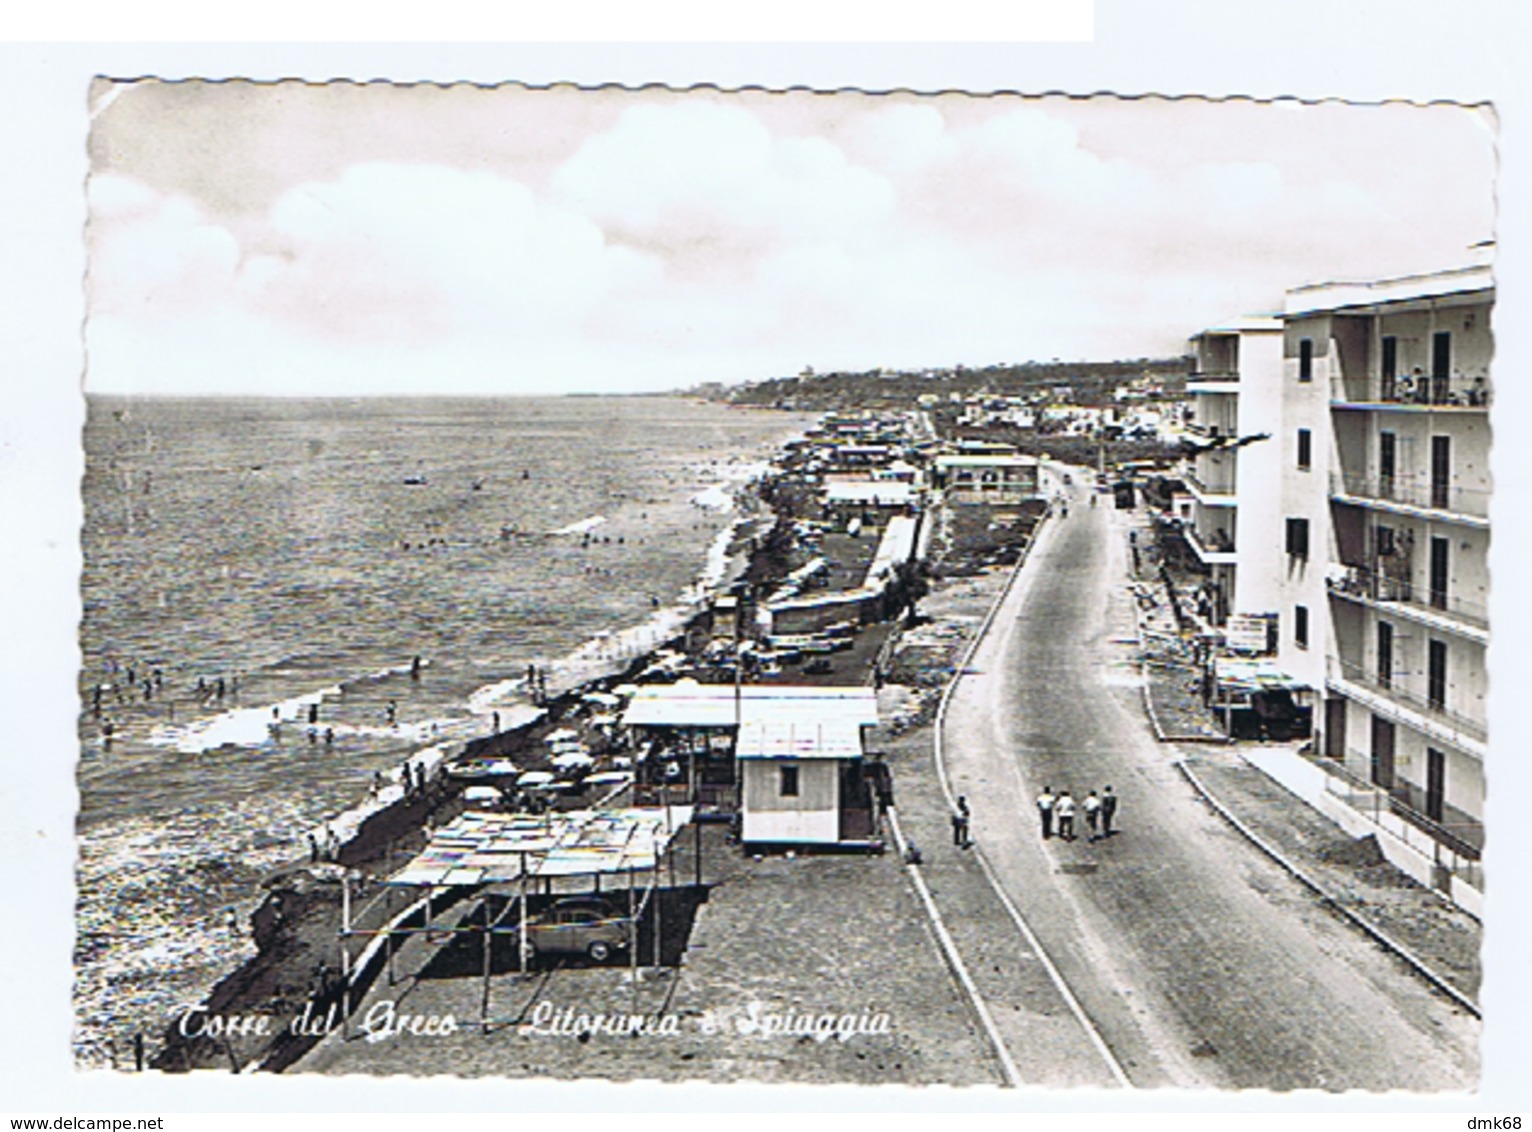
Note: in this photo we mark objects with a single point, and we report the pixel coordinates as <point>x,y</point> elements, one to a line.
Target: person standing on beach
<point>1065,808</point>
<point>1045,804</point>
<point>1108,811</point>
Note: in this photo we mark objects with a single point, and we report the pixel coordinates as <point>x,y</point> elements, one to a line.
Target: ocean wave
<point>581,527</point>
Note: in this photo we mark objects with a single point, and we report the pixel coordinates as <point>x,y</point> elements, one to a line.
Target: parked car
<point>578,925</point>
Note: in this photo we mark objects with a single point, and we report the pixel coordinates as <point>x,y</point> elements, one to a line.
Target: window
<point>789,781</point>
<point>1436,674</point>
<point>1306,359</point>
<point>1305,448</point>
<point>1301,626</point>
<point>1298,538</point>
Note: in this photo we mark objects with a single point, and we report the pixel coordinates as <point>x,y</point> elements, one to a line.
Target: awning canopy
<point>482,848</point>
<point>689,704</point>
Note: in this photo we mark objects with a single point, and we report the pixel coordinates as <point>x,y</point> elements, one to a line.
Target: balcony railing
<point>1211,429</point>
<point>1411,491</point>
<point>1369,585</point>
<point>1425,391</point>
<point>1456,842</point>
<point>1214,375</point>
<point>1398,690</point>
<point>1209,485</point>
<point>1216,541</point>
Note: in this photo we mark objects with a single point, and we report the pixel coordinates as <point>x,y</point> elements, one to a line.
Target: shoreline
<point>294,926</point>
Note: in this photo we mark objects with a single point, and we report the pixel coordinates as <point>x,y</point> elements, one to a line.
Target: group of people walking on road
<point>1098,810</point>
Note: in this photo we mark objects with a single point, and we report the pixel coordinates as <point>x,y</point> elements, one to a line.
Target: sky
<point>353,239</point>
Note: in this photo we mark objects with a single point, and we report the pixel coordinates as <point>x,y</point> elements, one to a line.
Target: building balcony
<point>1213,548</point>
<point>1414,394</point>
<point>1435,609</point>
<point>1455,841</point>
<point>1210,490</point>
<point>1396,699</point>
<point>1407,495</point>
<point>1213,381</point>
<point>1210,430</point>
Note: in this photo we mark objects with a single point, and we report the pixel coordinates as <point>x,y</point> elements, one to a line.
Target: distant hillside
<point>1089,382</point>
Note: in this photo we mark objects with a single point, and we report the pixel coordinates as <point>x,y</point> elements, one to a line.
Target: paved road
<point>1200,962</point>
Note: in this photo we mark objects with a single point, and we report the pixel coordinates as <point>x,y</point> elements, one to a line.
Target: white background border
<point>1305,48</point>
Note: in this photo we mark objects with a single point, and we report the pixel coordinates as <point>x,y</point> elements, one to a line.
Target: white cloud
<point>693,238</point>
<point>694,182</point>
<point>155,256</point>
<point>422,252</point>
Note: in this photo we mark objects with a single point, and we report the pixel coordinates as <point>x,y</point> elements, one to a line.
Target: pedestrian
<point>1045,804</point>
<point>393,713</point>
<point>1092,807</point>
<point>377,783</point>
<point>415,669</point>
<point>1108,811</point>
<point>313,713</point>
<point>313,850</point>
<point>1065,808</point>
<point>495,722</point>
<point>960,819</point>
<point>329,736</point>
<point>138,1051</point>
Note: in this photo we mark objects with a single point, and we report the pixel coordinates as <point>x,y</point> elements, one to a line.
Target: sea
<point>285,597</point>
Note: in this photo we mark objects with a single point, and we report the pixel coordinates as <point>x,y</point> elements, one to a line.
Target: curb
<point>1415,963</point>
<point>1009,1073</point>
<point>1143,684</point>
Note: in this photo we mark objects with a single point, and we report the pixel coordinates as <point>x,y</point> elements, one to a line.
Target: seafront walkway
<point>1197,960</point>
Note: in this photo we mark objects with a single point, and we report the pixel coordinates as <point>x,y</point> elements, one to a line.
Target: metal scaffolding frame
<point>517,850</point>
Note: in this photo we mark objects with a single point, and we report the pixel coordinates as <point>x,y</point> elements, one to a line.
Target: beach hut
<point>800,777</point>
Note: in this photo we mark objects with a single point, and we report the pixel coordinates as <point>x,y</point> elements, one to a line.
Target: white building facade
<point>1404,366</point>
<point>1235,390</point>
<point>1362,527</point>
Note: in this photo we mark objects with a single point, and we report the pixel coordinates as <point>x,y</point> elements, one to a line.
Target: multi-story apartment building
<point>1236,394</point>
<point>1363,524</point>
<point>1405,367</point>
